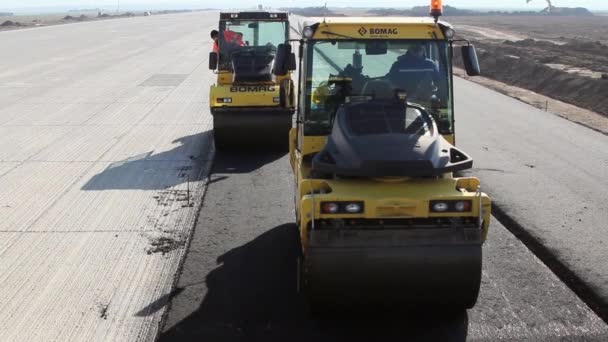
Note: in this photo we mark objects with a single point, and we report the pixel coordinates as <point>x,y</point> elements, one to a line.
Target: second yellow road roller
<point>252,101</point>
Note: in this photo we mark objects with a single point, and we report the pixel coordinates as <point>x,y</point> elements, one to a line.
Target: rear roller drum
<point>221,140</point>
<point>413,279</point>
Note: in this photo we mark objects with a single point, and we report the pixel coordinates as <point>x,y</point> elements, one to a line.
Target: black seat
<point>252,66</point>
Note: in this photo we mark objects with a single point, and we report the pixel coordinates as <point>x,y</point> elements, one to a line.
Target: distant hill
<point>449,11</point>
<point>421,11</point>
<point>312,11</point>
<point>560,11</point>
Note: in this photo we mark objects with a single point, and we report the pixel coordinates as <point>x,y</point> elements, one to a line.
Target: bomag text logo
<point>251,89</point>
<point>383,31</point>
<point>378,31</point>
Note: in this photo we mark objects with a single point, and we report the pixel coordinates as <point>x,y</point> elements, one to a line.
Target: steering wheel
<point>423,89</point>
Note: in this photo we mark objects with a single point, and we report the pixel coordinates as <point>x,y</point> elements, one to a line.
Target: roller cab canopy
<point>375,28</point>
<point>278,16</point>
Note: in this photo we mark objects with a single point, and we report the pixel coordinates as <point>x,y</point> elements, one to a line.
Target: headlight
<point>440,206</point>
<point>449,33</point>
<point>308,32</point>
<point>463,206</point>
<point>329,208</point>
<point>452,206</point>
<point>353,207</point>
<point>224,100</point>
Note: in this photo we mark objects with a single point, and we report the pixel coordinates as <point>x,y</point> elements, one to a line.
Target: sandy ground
<point>541,27</point>
<point>563,58</point>
<point>488,33</point>
<point>567,111</point>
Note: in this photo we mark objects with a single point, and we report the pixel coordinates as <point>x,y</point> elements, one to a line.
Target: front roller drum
<point>252,129</point>
<point>444,276</point>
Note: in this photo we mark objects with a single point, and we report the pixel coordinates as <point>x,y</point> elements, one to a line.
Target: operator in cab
<point>415,73</point>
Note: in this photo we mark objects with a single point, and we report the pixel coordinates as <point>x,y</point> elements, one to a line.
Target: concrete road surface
<point>101,126</point>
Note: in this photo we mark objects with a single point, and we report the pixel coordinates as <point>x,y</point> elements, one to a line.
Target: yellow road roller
<point>381,215</point>
<point>252,101</point>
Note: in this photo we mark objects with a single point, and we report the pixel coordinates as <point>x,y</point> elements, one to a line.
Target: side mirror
<point>471,63</point>
<point>284,61</point>
<point>213,60</point>
<point>291,62</point>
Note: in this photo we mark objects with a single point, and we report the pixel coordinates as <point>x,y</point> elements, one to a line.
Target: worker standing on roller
<point>215,35</point>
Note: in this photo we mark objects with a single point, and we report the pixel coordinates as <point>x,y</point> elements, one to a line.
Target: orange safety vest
<point>231,36</point>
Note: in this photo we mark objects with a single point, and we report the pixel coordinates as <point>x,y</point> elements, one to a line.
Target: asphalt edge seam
<point>206,177</point>
<point>580,288</point>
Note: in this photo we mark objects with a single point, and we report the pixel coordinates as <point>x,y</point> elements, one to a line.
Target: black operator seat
<point>252,65</point>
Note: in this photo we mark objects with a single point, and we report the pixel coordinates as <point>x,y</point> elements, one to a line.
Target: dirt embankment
<point>10,23</point>
<point>576,72</point>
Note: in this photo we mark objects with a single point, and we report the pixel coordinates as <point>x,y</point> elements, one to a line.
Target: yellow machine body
<point>247,112</point>
<point>397,249</point>
<point>247,95</point>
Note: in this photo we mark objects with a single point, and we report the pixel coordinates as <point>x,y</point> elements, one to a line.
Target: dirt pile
<point>592,56</point>
<point>71,18</point>
<point>312,11</point>
<point>10,23</point>
<point>574,73</point>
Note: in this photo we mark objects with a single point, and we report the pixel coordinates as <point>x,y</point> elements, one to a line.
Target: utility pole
<point>118,7</point>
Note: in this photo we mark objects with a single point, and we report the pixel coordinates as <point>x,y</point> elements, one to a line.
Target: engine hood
<point>387,139</point>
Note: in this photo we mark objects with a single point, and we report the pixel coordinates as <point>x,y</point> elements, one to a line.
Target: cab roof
<point>336,28</point>
<point>254,15</point>
<point>374,20</point>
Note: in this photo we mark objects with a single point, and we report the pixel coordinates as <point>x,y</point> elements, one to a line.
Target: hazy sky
<point>13,4</point>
